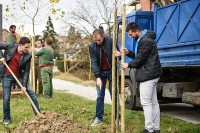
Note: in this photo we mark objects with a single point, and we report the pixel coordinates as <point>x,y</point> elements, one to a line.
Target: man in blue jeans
<point>101,58</point>
<point>18,59</point>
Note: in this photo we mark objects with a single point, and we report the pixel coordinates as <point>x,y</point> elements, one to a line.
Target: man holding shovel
<point>18,59</point>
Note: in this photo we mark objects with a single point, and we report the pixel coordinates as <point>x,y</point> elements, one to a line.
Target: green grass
<point>83,111</point>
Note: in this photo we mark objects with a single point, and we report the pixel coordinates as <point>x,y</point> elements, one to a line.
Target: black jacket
<point>24,66</point>
<point>96,54</point>
<point>147,61</point>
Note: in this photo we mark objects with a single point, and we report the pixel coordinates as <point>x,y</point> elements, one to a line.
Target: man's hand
<point>3,60</point>
<point>99,83</point>
<point>125,51</point>
<point>23,89</point>
<point>124,65</point>
<point>117,54</point>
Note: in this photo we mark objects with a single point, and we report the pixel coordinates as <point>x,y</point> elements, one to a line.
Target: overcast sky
<point>65,5</point>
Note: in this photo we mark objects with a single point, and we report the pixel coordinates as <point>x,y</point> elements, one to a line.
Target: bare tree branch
<point>88,15</point>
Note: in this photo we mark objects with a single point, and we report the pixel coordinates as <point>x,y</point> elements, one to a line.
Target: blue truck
<point>177,27</point>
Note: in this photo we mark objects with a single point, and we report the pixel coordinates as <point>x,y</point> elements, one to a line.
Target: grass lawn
<point>83,111</point>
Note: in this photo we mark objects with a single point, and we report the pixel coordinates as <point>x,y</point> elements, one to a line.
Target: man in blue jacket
<point>18,59</point>
<point>101,58</point>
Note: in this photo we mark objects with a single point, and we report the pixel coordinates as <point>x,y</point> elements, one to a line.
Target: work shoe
<point>156,131</point>
<point>146,131</point>
<point>96,122</point>
<point>6,122</point>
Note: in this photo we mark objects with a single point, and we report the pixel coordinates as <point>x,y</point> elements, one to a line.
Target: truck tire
<point>196,107</point>
<point>130,97</point>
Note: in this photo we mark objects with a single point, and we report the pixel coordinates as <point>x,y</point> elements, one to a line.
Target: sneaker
<point>146,131</point>
<point>7,122</point>
<point>156,131</point>
<point>96,122</point>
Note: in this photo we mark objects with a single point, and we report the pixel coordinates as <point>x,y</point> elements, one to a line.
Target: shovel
<point>21,87</point>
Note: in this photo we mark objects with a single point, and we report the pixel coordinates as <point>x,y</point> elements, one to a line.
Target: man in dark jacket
<point>101,58</point>
<point>18,59</point>
<point>148,72</point>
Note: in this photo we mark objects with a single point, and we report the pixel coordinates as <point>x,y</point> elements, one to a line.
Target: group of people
<point>18,57</point>
<point>148,71</point>
<point>146,62</point>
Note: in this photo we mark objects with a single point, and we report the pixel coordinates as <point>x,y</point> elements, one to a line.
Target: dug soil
<point>49,122</point>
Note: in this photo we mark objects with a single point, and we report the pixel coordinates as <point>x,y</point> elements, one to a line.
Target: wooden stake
<point>118,100</point>
<point>64,60</point>
<point>122,71</point>
<point>113,72</point>
<point>33,63</point>
<point>31,70</point>
<point>90,69</point>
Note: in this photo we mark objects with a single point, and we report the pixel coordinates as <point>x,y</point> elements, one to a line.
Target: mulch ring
<point>49,122</point>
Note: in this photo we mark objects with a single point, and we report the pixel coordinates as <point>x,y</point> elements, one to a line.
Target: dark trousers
<point>7,82</point>
<point>104,76</point>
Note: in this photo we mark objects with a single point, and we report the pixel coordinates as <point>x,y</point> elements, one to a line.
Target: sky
<point>65,5</point>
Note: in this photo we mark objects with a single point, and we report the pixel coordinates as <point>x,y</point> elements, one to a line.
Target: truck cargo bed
<point>178,33</point>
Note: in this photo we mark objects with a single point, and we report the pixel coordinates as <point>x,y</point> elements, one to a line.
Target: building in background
<point>143,5</point>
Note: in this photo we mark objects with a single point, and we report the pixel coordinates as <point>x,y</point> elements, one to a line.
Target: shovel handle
<point>21,87</point>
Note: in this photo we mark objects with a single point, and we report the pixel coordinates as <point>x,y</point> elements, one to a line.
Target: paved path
<point>87,92</point>
<point>181,111</point>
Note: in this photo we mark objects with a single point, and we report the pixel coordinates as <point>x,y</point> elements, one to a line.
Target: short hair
<point>12,26</point>
<point>98,32</point>
<point>24,40</point>
<point>40,40</point>
<point>49,40</point>
<point>133,26</point>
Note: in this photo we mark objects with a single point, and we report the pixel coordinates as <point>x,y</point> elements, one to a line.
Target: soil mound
<point>49,122</point>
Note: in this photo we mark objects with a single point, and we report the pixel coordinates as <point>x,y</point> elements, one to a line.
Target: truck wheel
<point>130,97</point>
<point>196,107</point>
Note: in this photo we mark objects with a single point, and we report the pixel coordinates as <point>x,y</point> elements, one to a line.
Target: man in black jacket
<point>18,59</point>
<point>148,72</point>
<point>101,58</point>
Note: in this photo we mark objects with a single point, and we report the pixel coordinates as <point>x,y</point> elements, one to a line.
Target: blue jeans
<point>7,82</point>
<point>104,76</point>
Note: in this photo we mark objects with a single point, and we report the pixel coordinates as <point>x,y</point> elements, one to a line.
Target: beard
<point>13,32</point>
<point>136,37</point>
